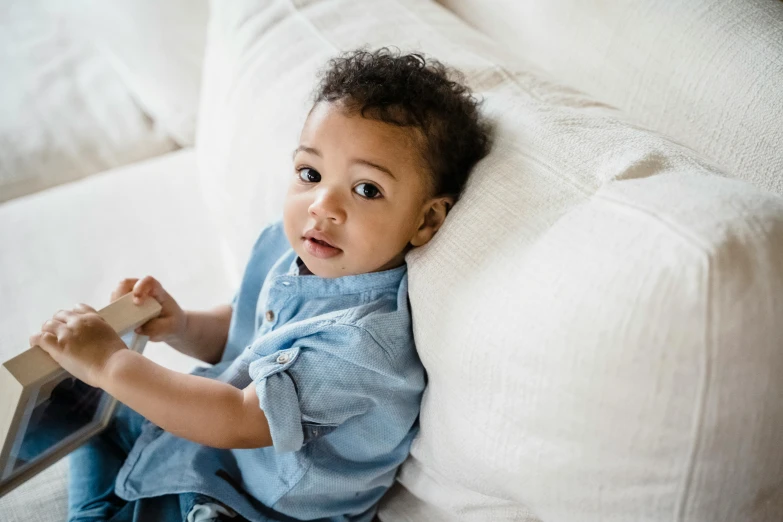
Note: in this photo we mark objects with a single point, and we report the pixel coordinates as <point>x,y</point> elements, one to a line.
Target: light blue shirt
<point>336,372</point>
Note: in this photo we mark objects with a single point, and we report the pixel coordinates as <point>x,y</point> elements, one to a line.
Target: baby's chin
<point>332,267</point>
<point>337,266</point>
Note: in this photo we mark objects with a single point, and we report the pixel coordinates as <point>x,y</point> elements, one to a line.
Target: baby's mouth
<point>320,248</point>
<point>324,243</point>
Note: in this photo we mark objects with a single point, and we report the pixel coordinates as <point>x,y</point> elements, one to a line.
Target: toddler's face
<point>359,194</point>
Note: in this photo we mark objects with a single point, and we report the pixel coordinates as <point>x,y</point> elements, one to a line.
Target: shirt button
<point>270,316</point>
<point>283,358</point>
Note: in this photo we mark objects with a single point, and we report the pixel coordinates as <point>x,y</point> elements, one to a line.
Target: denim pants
<point>94,467</point>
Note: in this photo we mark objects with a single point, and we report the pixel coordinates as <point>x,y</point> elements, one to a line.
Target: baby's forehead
<point>344,130</point>
<point>336,116</point>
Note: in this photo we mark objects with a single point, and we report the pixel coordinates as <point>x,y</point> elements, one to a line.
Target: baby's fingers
<point>47,341</point>
<point>149,286</point>
<point>125,286</point>
<point>155,329</point>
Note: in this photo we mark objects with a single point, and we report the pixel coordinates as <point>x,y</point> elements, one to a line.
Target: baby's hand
<point>80,341</point>
<point>172,321</point>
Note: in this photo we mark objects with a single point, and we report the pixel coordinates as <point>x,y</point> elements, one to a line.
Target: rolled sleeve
<point>308,391</point>
<point>278,398</point>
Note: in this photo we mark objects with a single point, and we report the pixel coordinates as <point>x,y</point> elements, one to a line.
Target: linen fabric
<point>705,72</point>
<point>597,315</point>
<point>625,364</point>
<point>338,378</point>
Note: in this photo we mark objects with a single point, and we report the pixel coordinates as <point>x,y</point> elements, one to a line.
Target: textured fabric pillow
<point>600,323</point>
<point>706,72</point>
<point>598,315</point>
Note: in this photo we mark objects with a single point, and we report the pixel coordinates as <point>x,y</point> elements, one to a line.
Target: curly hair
<point>410,90</point>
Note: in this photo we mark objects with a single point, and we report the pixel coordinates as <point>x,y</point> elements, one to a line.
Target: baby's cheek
<point>292,217</point>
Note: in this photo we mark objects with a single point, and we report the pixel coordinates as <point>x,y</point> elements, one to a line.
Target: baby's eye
<point>309,175</point>
<point>367,190</point>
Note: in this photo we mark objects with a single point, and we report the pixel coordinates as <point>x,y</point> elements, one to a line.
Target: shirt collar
<point>312,284</point>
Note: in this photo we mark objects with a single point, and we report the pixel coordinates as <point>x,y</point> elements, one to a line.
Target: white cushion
<point>44,498</point>
<point>157,48</point>
<point>65,112</point>
<point>74,243</point>
<point>599,317</point>
<point>706,72</point>
<point>600,323</point>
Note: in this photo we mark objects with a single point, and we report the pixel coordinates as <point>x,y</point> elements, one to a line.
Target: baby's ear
<point>435,211</point>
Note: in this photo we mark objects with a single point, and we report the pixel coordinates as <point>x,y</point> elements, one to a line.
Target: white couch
<point>87,88</point>
<point>600,316</point>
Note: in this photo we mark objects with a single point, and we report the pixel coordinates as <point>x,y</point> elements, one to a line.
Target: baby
<point>313,399</point>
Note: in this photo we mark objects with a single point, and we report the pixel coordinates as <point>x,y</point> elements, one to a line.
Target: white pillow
<point>598,315</point>
<point>600,323</point>
<point>706,72</point>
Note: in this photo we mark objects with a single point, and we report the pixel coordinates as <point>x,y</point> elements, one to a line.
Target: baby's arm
<point>205,411</point>
<point>201,335</point>
<point>202,410</point>
<point>205,334</point>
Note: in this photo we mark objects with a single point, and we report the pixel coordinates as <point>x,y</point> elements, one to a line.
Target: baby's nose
<point>328,205</point>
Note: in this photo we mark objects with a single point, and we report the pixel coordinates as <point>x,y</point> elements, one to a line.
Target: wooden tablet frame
<point>27,380</point>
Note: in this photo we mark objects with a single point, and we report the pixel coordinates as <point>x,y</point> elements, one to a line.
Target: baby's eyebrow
<point>302,148</point>
<point>374,166</point>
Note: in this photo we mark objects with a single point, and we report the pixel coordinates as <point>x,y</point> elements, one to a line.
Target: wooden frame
<point>34,390</point>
